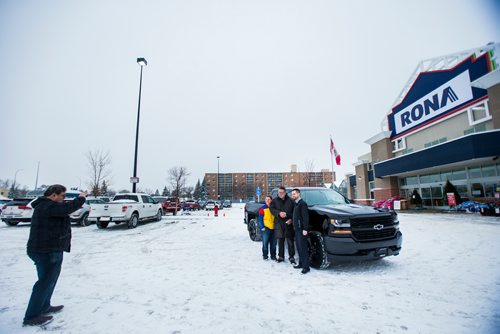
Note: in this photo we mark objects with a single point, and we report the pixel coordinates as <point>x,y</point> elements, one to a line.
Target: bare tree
<point>99,167</point>
<point>177,177</point>
<point>308,171</point>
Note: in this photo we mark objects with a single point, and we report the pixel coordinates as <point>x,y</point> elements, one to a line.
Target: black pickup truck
<point>340,230</point>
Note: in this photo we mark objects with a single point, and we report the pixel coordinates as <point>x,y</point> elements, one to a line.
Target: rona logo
<point>419,110</point>
<point>451,94</point>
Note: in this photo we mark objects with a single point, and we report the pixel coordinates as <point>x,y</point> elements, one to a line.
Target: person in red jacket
<point>266,224</point>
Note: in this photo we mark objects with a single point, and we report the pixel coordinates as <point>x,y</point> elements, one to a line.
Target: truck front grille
<point>363,228</point>
<point>367,235</point>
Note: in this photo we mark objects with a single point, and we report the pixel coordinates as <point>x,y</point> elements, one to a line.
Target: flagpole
<point>333,172</point>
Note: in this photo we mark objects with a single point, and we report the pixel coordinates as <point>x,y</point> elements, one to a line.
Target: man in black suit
<point>301,226</point>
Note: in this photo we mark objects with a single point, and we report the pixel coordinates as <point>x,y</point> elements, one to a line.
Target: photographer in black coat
<point>50,236</point>
<point>301,225</point>
<point>282,210</point>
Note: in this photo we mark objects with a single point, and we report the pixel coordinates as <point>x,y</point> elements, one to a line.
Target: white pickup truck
<point>126,208</point>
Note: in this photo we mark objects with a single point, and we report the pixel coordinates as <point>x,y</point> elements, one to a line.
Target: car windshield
<point>18,202</point>
<point>322,197</point>
<point>127,197</point>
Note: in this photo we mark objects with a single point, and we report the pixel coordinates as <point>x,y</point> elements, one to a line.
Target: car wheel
<point>158,216</point>
<point>164,212</point>
<point>134,220</point>
<point>85,220</point>
<point>317,252</point>
<point>254,231</point>
<point>11,223</point>
<point>101,225</point>
<point>175,212</point>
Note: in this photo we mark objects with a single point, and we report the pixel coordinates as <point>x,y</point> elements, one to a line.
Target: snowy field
<point>200,274</point>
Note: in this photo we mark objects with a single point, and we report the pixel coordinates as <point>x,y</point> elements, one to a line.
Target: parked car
<point>169,204</point>
<point>81,215</point>
<point>202,204</point>
<point>17,211</point>
<point>210,205</point>
<point>3,201</point>
<point>191,205</point>
<point>130,208</point>
<point>340,230</point>
<point>227,204</point>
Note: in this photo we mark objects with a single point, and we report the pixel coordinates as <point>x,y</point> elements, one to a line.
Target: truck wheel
<point>164,212</point>
<point>158,216</point>
<point>317,252</point>
<point>84,221</point>
<point>254,231</point>
<point>175,212</point>
<point>134,220</point>
<point>11,223</point>
<point>101,225</point>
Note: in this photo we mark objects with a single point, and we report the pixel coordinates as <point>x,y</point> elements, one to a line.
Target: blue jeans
<point>268,238</point>
<point>48,267</point>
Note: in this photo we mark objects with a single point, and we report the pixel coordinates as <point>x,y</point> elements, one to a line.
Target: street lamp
<point>12,192</point>
<point>142,62</point>
<point>218,194</point>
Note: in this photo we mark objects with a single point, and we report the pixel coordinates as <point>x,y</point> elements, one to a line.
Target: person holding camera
<point>50,236</point>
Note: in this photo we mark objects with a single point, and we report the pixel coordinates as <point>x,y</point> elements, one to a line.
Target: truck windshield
<point>127,197</point>
<point>322,197</point>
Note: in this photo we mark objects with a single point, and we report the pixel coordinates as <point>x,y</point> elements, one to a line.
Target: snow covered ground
<point>200,274</point>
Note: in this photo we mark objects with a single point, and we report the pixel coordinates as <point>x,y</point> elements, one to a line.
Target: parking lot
<point>198,273</point>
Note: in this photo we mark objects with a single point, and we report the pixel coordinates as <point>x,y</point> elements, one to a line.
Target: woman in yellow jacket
<point>266,224</point>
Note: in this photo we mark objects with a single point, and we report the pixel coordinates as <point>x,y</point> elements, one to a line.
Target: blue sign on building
<point>257,191</point>
<point>437,94</point>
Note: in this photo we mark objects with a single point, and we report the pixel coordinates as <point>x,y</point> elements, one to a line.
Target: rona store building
<point>445,125</point>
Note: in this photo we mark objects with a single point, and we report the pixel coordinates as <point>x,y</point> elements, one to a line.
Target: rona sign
<point>437,94</point>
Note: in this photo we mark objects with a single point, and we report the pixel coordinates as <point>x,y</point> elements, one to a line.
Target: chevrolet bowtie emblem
<point>378,227</point>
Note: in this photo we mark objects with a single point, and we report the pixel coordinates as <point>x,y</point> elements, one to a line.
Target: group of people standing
<point>285,219</point>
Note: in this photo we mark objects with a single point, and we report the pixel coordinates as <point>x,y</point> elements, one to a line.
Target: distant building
<point>4,192</point>
<point>236,186</point>
<point>444,125</point>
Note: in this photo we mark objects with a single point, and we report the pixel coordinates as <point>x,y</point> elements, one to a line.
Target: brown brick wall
<point>494,105</point>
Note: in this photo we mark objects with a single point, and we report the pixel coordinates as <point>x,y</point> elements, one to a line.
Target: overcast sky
<point>263,84</point>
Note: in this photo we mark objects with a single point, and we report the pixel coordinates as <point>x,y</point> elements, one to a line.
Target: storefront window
<point>426,192</point>
<point>488,170</point>
<point>459,174</point>
<point>477,190</point>
<point>475,173</point>
<point>437,192</point>
<point>445,176</point>
<point>462,190</point>
<point>489,190</point>
<point>430,178</point>
<point>411,180</point>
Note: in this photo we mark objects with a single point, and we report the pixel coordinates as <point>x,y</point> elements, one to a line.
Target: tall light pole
<point>13,192</point>
<point>142,62</point>
<point>218,194</point>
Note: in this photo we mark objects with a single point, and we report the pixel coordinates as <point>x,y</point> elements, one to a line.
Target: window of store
<point>459,174</point>
<point>430,178</point>
<point>412,180</point>
<point>371,185</point>
<point>488,171</point>
<point>479,113</point>
<point>462,191</point>
<point>489,190</point>
<point>399,145</point>
<point>475,129</point>
<point>477,190</point>
<point>475,173</point>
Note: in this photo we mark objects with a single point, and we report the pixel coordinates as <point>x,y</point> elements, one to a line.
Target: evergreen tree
<point>450,188</point>
<point>157,193</point>
<point>165,192</point>
<point>415,198</point>
<point>104,188</point>
<point>197,190</point>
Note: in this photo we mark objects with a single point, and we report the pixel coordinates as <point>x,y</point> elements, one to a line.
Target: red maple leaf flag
<point>334,152</point>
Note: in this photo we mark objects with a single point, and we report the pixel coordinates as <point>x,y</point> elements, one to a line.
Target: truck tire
<point>164,212</point>
<point>254,230</point>
<point>84,221</point>
<point>317,252</point>
<point>101,225</point>
<point>175,212</point>
<point>133,221</point>
<point>159,216</point>
<point>11,222</point>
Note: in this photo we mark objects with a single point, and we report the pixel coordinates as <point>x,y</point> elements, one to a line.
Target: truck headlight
<point>340,223</point>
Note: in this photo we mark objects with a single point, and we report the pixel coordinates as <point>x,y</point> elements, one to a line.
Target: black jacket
<point>50,225</point>
<point>301,216</point>
<point>281,229</point>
